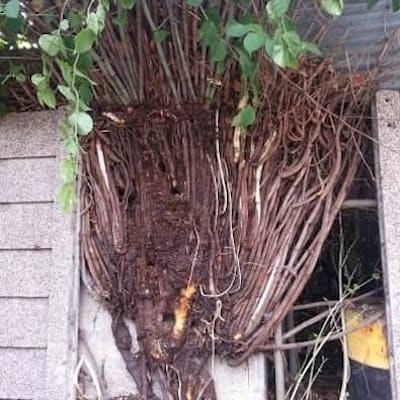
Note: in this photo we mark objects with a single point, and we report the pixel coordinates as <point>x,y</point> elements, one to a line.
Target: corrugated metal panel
<point>358,37</point>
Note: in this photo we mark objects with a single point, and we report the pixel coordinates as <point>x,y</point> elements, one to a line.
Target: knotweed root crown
<point>204,252</point>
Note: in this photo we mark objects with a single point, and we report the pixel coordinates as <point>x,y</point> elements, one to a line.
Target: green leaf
<point>311,48</point>
<point>20,77</point>
<point>13,25</point>
<point>11,9</point>
<point>75,21</point>
<point>84,76</point>
<point>218,51</point>
<point>40,81</point>
<point>245,117</point>
<point>46,97</point>
<point>66,197</point>
<point>254,41</point>
<point>334,7</point>
<point>84,41</point>
<point>120,20</point>
<point>256,28</point>
<point>248,18</point>
<point>287,24</point>
<point>235,29</point>
<point>159,36</point>
<point>66,71</point>
<point>212,14</point>
<point>64,25</point>
<point>51,44</point>
<point>293,42</point>
<point>67,170</point>
<point>276,9</point>
<point>105,4</point>
<point>127,4</point>
<point>85,92</point>
<point>85,62</point>
<point>283,57</point>
<point>279,55</point>
<point>208,33</point>
<point>194,3</point>
<point>396,5</point>
<point>71,143</point>
<point>93,23</point>
<point>101,14</point>
<point>82,120</point>
<point>51,17</point>
<point>248,67</point>
<point>67,93</point>
<point>269,46</point>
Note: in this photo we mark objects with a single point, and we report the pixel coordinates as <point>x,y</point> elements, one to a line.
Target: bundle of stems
<point>203,234</point>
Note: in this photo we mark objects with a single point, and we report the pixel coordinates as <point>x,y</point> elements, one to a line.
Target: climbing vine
<point>67,52</point>
<point>273,33</point>
<point>69,49</point>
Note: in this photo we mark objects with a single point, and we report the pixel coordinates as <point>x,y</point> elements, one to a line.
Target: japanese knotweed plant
<point>272,33</point>
<point>67,51</point>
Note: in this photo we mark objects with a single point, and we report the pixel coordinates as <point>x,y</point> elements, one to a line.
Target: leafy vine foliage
<point>66,52</point>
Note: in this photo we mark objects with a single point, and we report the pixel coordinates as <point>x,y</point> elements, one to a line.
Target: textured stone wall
<point>38,274</point>
<point>387,113</point>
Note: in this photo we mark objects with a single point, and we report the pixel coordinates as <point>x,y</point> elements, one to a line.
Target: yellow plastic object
<point>368,345</point>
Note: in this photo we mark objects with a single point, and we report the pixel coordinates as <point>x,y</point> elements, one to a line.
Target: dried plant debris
<point>207,250</point>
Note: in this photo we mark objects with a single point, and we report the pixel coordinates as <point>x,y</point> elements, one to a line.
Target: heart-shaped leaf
<point>52,44</point>
<point>254,41</point>
<point>84,41</point>
<point>11,9</point>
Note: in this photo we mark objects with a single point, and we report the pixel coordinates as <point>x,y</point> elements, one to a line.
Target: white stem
<point>102,164</point>
<point>279,366</point>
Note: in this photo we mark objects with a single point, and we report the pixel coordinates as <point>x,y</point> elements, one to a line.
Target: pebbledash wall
<point>38,268</point>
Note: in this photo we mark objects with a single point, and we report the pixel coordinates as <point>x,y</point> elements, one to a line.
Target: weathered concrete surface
<point>38,264</point>
<point>21,374</point>
<point>62,339</point>
<point>23,322</point>
<point>16,177</point>
<point>25,273</point>
<point>247,382</point>
<point>31,134</point>
<point>96,345</point>
<point>26,226</point>
<point>388,181</point>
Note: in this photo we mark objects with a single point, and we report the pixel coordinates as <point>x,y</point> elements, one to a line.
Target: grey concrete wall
<point>387,152</point>
<point>38,272</point>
